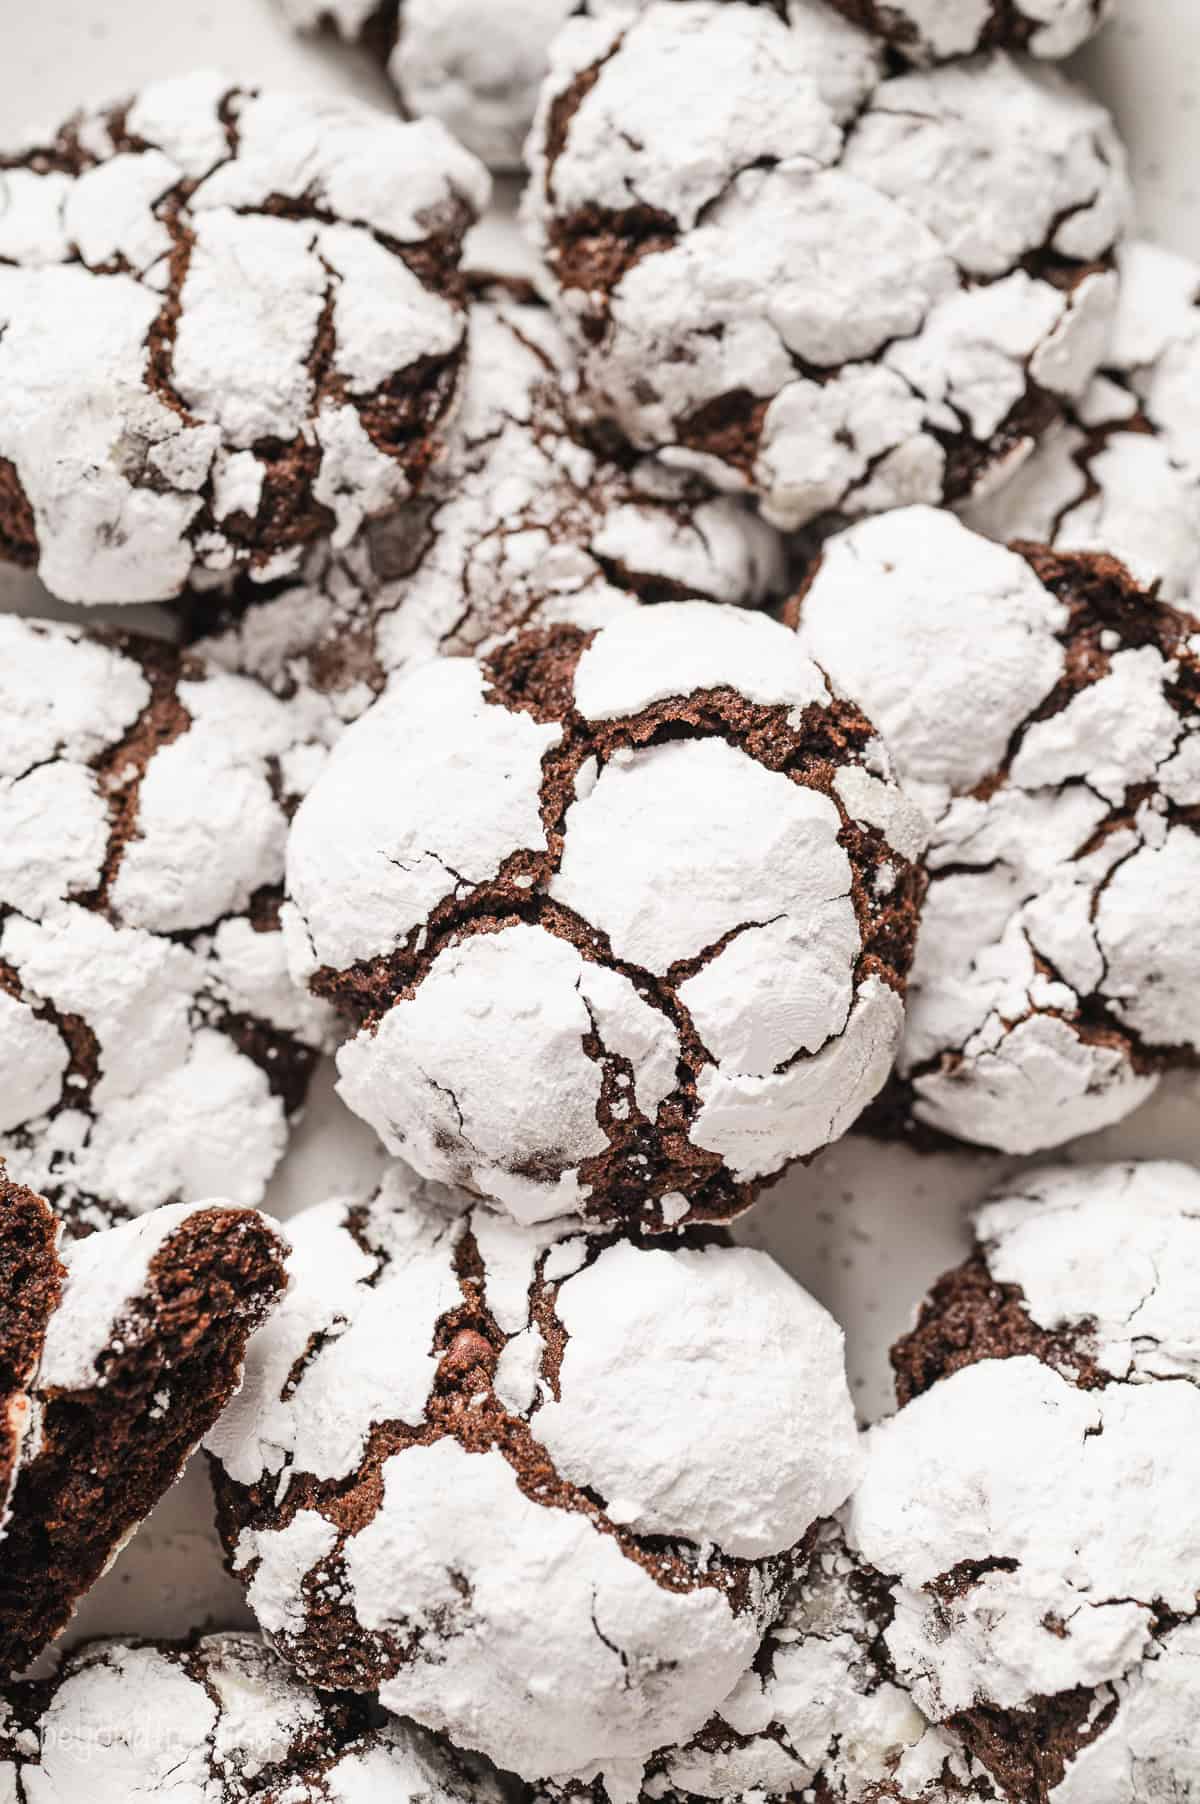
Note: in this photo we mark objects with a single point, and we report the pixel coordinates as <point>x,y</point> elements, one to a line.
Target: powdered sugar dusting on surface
<point>476,65</point>
<point>155,1043</point>
<point>520,523</point>
<point>1020,1548</point>
<point>1115,1246</point>
<point>453,1544</point>
<point>820,286</point>
<point>817,1710</point>
<point>1047,727</point>
<point>674,650</point>
<point>650,1485</point>
<point>936,30</point>
<point>1122,473</point>
<point>237,266</point>
<point>217,1721</point>
<point>447,834</point>
<point>638,912</point>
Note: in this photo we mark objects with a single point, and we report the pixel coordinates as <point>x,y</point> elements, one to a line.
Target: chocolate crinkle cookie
<point>818,1717</point>
<point>219,1719</point>
<point>620,920</point>
<point>836,292</point>
<point>152,1045</point>
<point>1122,472</point>
<point>117,1355</point>
<point>479,1469</point>
<point>1034,1498</point>
<point>230,324</point>
<point>1043,711</point>
<point>936,30</point>
<point>476,65</point>
<point>520,524</point>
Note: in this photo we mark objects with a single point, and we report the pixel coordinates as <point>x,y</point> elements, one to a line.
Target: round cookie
<point>936,30</point>
<point>131,1343</point>
<point>836,292</point>
<point>1043,711</point>
<point>480,1469</point>
<point>1035,1495</point>
<point>520,524</point>
<point>818,1716</point>
<point>152,1045</point>
<point>230,325</point>
<point>1122,473</point>
<point>476,65</point>
<point>219,1719</point>
<point>622,919</point>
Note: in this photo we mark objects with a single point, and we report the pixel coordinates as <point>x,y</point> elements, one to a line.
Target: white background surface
<point>865,1227</point>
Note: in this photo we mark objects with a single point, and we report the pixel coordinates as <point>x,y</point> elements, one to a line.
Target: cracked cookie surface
<point>218,1719</point>
<point>837,292</point>
<point>622,919</point>
<point>936,30</point>
<point>1121,474</point>
<point>1043,711</point>
<point>452,1415</point>
<point>230,324</point>
<point>152,1045</point>
<point>818,1716</point>
<point>1034,1497</point>
<point>520,524</point>
<point>136,1342</point>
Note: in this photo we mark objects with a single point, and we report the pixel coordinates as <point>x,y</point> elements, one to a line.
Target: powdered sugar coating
<point>520,523</point>
<point>1110,1253</point>
<point>219,1721</point>
<point>1042,710</point>
<point>639,1440</point>
<point>636,663</point>
<point>683,934</point>
<point>1121,473</point>
<point>838,292</point>
<point>815,1716</point>
<point>1030,1573</point>
<point>155,1044</point>
<point>228,324</point>
<point>403,863</point>
<point>1145,1750</point>
<point>1074,1559</point>
<point>937,30</point>
<point>476,65</point>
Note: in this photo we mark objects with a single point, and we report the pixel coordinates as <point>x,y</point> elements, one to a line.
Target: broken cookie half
<point>117,1353</point>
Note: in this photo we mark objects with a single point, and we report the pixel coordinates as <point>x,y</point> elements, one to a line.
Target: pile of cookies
<point>640,720</point>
